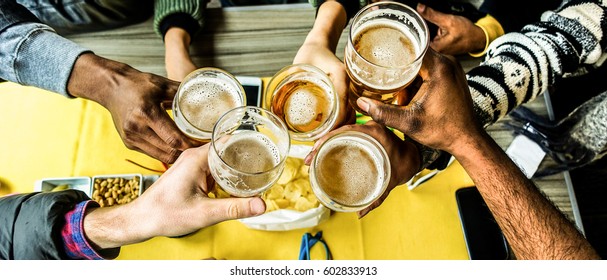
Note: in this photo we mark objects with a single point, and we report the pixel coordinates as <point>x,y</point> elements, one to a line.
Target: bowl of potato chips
<point>290,202</point>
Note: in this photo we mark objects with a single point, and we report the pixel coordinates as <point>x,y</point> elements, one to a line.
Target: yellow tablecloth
<point>46,135</point>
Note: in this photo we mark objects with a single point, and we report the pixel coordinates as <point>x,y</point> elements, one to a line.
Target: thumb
<point>234,208</point>
<point>431,15</point>
<point>387,114</point>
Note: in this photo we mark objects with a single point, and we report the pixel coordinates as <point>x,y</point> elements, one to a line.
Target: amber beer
<point>249,147</point>
<point>202,98</point>
<point>349,171</point>
<point>384,53</point>
<point>303,105</point>
<point>304,98</point>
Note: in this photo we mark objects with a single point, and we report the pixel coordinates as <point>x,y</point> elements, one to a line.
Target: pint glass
<point>202,97</point>
<point>249,147</point>
<point>349,171</point>
<point>386,44</point>
<point>303,96</point>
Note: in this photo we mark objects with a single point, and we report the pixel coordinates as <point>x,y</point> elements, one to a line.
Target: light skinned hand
<point>441,107</point>
<point>175,205</point>
<point>326,60</point>
<point>456,34</point>
<point>319,49</point>
<point>404,158</point>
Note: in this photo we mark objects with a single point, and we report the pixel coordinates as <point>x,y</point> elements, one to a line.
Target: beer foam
<point>250,152</point>
<point>385,44</point>
<point>202,101</point>
<point>308,107</point>
<point>349,172</point>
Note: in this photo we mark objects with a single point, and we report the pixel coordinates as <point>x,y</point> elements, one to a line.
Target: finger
<point>439,43</point>
<point>153,146</point>
<point>171,88</point>
<point>390,115</point>
<point>432,15</point>
<point>233,208</point>
<point>167,130</point>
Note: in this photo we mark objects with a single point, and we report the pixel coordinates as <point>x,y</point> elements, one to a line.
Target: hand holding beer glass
<point>303,96</point>
<point>384,52</point>
<point>203,96</point>
<point>349,171</point>
<point>249,147</point>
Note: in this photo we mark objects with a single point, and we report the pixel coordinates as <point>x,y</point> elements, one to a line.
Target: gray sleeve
<point>32,53</point>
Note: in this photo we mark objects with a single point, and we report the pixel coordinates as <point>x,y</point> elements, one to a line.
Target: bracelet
<point>492,29</point>
<point>487,41</point>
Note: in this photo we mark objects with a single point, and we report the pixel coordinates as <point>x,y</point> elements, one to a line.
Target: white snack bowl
<point>74,183</point>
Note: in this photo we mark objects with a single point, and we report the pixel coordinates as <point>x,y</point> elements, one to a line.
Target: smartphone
<point>252,87</point>
<point>484,238</point>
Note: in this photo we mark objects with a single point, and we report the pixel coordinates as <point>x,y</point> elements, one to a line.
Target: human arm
<point>403,156</point>
<point>178,22</point>
<point>520,66</point>
<point>39,217</point>
<point>441,116</point>
<point>134,99</point>
<point>457,34</point>
<point>32,54</point>
<point>319,49</point>
<point>174,205</point>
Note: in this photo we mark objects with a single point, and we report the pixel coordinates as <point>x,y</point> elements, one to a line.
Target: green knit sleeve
<point>165,8</point>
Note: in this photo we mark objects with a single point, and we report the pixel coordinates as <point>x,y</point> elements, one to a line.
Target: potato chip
<point>282,203</point>
<point>275,192</point>
<point>292,190</point>
<point>271,205</point>
<point>303,185</point>
<point>288,173</point>
<point>218,192</point>
<point>304,171</point>
<point>302,204</point>
<point>312,198</point>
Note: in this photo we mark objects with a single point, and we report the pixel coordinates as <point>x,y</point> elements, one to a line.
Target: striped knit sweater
<point>520,66</point>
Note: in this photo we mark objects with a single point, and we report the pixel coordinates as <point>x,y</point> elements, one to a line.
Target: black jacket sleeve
<point>30,224</point>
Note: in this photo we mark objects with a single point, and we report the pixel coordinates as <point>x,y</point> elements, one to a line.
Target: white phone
<point>252,87</point>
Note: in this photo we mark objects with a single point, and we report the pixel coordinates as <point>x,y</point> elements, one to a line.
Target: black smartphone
<point>252,87</point>
<point>484,238</point>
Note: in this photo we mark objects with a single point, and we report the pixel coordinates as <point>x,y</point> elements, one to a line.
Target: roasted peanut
<point>115,191</point>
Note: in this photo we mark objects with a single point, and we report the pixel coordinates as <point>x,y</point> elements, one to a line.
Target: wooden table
<point>419,224</point>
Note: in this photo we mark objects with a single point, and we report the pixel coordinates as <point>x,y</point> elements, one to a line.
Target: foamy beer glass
<point>249,147</point>
<point>303,96</point>
<point>384,52</point>
<point>203,96</point>
<point>349,171</point>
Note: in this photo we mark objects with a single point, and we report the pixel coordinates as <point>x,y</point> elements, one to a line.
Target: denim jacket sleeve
<point>32,53</point>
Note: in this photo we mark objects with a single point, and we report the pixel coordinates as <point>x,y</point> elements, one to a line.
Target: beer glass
<point>386,44</point>
<point>349,171</point>
<point>303,96</point>
<point>203,96</point>
<point>249,147</point>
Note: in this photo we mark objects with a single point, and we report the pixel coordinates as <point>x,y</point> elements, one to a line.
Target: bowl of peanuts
<point>110,190</point>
